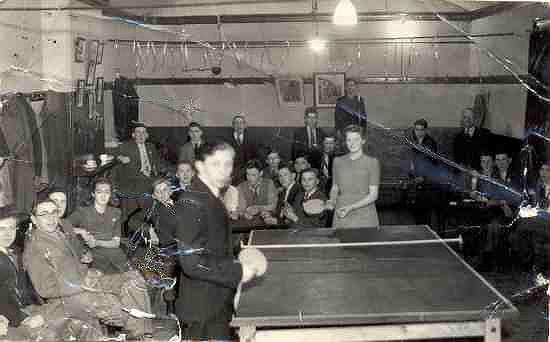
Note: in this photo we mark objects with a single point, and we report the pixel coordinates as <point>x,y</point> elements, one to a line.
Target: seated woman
<point>100,227</point>
<point>70,288</point>
<point>299,214</point>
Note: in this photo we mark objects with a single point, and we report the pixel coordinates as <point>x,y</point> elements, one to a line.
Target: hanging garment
<point>125,106</point>
<point>18,135</point>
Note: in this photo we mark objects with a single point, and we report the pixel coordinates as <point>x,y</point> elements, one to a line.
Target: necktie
<point>196,149</point>
<point>145,163</point>
<point>313,137</point>
<point>324,167</point>
<point>308,137</point>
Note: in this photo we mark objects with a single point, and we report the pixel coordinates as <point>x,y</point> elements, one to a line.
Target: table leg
<point>492,330</point>
<point>247,334</point>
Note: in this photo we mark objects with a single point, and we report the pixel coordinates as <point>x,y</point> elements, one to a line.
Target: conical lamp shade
<point>345,14</point>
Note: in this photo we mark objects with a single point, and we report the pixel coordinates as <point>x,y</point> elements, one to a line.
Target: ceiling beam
<point>489,11</point>
<point>290,18</point>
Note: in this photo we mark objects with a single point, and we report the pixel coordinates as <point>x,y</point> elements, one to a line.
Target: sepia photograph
<point>290,91</point>
<point>328,87</point>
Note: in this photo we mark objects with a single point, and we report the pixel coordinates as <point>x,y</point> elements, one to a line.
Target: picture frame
<point>80,50</point>
<point>328,87</point>
<point>90,74</point>
<point>80,92</point>
<point>290,91</point>
<point>99,56</point>
<point>99,89</point>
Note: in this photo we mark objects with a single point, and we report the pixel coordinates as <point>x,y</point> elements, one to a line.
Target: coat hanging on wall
<point>6,190</point>
<point>481,104</point>
<point>19,137</point>
<point>125,106</point>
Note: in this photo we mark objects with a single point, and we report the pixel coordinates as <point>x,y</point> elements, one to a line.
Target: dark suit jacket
<point>127,176</point>
<point>281,198</point>
<point>306,220</point>
<point>243,153</point>
<point>11,302</point>
<point>326,182</point>
<point>187,151</point>
<point>300,145</point>
<point>208,281</point>
<point>467,150</point>
<point>349,111</point>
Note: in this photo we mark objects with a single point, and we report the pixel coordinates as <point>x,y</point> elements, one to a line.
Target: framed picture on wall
<point>290,91</point>
<point>80,91</point>
<point>328,87</point>
<point>99,56</point>
<point>99,90</point>
<point>90,74</point>
<point>79,49</point>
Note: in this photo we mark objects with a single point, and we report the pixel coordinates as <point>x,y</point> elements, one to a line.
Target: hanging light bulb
<point>345,14</point>
<point>317,44</point>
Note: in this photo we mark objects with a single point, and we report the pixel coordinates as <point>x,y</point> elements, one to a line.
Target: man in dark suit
<point>327,158</point>
<point>350,109</point>
<point>245,150</point>
<point>287,194</point>
<point>196,139</point>
<point>298,216</point>
<point>469,143</point>
<point>200,220</point>
<point>140,165</point>
<point>308,139</point>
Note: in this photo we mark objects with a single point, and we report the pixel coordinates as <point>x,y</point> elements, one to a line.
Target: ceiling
<point>193,8</point>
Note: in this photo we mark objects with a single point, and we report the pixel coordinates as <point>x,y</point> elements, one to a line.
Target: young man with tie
<point>308,139</point>
<point>140,165</point>
<point>350,109</point>
<point>208,280</point>
<point>245,150</point>
<point>471,140</point>
<point>297,214</point>
<point>190,149</point>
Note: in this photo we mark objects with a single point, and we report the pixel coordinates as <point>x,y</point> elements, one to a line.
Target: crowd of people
<point>79,267</point>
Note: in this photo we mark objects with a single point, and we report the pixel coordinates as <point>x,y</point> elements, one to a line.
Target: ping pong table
<point>335,291</point>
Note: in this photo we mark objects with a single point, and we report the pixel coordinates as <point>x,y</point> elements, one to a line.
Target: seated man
<point>257,194</point>
<point>100,227</point>
<point>272,160</point>
<point>70,289</point>
<point>301,162</point>
<point>189,150</point>
<point>298,214</point>
<point>471,140</point>
<point>60,199</point>
<point>184,174</point>
<point>287,194</point>
<point>327,158</point>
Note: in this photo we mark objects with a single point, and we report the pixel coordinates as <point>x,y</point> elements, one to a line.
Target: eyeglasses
<point>47,213</point>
